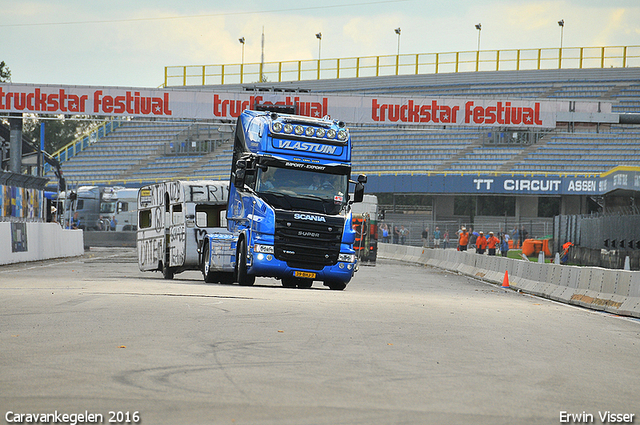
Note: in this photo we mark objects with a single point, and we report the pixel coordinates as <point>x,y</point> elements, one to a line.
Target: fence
<point>406,64</point>
<point>197,139</point>
<point>610,232</point>
<point>536,227</point>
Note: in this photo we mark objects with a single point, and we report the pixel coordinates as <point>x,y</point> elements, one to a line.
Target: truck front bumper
<point>266,265</point>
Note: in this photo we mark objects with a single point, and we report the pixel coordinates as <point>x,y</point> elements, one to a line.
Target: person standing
<point>75,221</point>
<point>396,235</point>
<point>492,242</point>
<point>385,233</point>
<point>425,237</point>
<point>463,239</point>
<point>436,238</point>
<point>504,245</point>
<point>481,243</point>
<point>445,239</point>
<point>404,232</point>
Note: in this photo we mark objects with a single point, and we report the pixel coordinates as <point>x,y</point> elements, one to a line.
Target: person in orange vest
<point>564,257</point>
<point>492,242</point>
<point>481,243</point>
<point>463,239</point>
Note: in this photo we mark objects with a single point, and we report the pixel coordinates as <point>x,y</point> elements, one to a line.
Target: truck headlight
<point>347,258</point>
<point>342,135</point>
<point>277,127</point>
<point>265,249</point>
<point>331,133</point>
<point>320,132</point>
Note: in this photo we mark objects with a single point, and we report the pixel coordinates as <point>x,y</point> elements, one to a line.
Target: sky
<point>129,43</point>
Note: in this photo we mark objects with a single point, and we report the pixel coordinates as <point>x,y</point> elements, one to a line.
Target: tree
<point>57,132</point>
<point>5,73</point>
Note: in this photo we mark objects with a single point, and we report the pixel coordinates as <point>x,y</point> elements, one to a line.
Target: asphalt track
<point>403,344</point>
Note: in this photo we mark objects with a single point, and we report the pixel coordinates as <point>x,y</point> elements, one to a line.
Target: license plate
<point>306,275</point>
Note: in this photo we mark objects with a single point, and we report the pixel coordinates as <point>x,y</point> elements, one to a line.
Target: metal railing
<point>197,139</point>
<point>405,64</point>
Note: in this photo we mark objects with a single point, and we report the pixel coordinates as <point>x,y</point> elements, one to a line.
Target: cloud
<point>136,52</point>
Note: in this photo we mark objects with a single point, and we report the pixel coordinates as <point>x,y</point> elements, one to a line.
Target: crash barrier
<point>110,239</point>
<point>613,291</point>
<point>32,241</point>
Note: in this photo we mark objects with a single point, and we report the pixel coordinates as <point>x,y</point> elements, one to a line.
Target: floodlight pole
<point>398,31</point>
<point>319,37</point>
<point>242,40</point>
<point>561,24</point>
<point>479,28</point>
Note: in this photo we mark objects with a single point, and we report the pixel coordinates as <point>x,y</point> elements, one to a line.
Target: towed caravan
<point>173,219</point>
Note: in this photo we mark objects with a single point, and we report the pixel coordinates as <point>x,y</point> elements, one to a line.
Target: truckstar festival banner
<point>203,103</point>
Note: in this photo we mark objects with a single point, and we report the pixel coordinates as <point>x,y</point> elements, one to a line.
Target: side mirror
<point>362,178</point>
<point>241,168</point>
<point>358,193</point>
<point>238,180</point>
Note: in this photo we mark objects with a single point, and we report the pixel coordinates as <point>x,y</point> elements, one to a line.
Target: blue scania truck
<point>289,207</point>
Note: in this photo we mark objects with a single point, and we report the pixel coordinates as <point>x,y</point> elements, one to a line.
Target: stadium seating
<point>136,152</point>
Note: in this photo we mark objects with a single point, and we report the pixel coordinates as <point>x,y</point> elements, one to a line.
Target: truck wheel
<point>335,286</point>
<point>243,278</point>
<point>209,276</point>
<point>167,272</point>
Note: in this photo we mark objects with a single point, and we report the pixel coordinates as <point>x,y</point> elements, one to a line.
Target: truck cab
<point>289,204</point>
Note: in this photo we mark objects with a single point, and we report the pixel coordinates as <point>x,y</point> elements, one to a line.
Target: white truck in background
<point>97,206</point>
<point>126,214</point>
<point>85,207</point>
<point>173,219</point>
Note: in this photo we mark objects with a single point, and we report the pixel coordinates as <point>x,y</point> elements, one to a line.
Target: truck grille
<point>307,238</point>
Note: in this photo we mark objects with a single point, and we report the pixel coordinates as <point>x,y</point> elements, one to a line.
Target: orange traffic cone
<point>505,281</point>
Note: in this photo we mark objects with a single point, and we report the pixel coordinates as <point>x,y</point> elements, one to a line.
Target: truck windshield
<point>293,189</point>
<point>107,207</point>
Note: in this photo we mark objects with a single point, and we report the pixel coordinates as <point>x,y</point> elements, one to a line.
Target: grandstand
<point>142,151</point>
<point>139,151</point>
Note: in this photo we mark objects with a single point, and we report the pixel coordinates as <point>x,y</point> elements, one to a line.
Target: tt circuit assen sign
<point>203,103</point>
<point>496,184</point>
